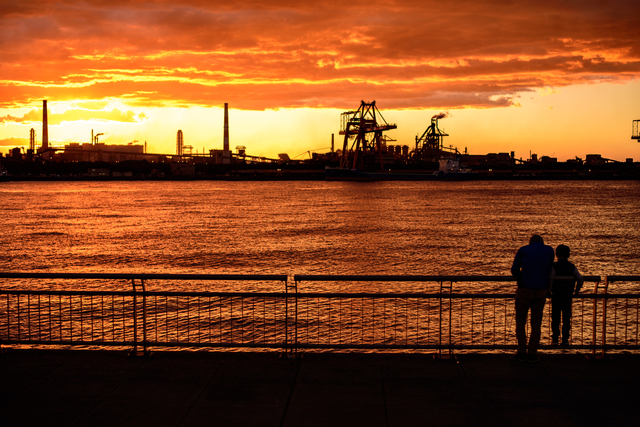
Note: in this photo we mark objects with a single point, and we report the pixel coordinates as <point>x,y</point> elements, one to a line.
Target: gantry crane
<point>357,126</point>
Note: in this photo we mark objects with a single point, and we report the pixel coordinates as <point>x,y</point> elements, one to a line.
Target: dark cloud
<point>272,54</point>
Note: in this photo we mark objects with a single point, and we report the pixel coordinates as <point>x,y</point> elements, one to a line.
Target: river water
<point>314,227</point>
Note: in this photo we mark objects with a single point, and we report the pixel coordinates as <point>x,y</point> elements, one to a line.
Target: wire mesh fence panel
<point>403,321</point>
<point>66,318</point>
<point>620,322</point>
<point>215,320</point>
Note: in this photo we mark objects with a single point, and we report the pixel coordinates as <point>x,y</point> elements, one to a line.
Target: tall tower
<point>179,143</point>
<point>226,154</point>
<point>32,140</point>
<point>45,126</point>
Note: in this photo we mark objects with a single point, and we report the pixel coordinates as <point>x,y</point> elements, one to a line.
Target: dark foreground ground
<point>102,388</point>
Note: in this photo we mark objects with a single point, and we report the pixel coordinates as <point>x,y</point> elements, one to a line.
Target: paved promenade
<point>108,388</point>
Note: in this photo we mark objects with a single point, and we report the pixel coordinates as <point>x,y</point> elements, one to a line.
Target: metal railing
<point>439,318</point>
<point>142,318</point>
<point>619,316</point>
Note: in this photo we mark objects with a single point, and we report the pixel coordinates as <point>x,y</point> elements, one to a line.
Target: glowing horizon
<point>554,79</point>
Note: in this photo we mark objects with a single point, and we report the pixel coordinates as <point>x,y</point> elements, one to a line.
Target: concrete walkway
<point>108,388</point>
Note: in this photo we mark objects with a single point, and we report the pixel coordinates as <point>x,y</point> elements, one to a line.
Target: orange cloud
<point>115,115</point>
<point>284,54</point>
<point>14,142</point>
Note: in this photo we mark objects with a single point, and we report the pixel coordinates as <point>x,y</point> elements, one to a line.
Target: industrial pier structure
<point>365,147</point>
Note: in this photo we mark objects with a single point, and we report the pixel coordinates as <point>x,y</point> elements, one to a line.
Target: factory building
<point>102,152</point>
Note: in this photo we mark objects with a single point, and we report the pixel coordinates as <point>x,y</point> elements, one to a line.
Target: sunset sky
<point>556,78</point>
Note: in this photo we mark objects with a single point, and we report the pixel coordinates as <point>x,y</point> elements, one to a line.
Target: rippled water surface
<point>299,227</point>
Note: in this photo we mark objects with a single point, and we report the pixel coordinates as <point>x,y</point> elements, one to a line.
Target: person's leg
<point>537,309</point>
<point>555,318</point>
<point>523,301</point>
<point>566,319</point>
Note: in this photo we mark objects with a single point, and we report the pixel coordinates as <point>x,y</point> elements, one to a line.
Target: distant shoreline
<point>320,176</point>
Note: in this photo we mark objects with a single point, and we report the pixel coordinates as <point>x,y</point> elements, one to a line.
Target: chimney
<point>32,140</point>
<point>45,126</point>
<point>225,146</point>
<point>179,143</point>
<point>226,154</point>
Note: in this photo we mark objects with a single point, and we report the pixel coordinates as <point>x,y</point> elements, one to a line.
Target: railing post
<point>135,317</point>
<point>291,350</point>
<point>295,339</point>
<point>144,317</point>
<point>604,317</point>
<point>596,298</point>
<point>440,323</point>
<point>139,290</point>
<point>286,318</point>
<point>594,328</point>
<point>450,320</point>
<point>449,354</point>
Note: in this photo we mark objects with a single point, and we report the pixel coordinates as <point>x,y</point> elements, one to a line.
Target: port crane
<point>357,126</point>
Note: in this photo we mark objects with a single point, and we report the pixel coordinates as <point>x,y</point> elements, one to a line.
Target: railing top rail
<point>417,278</point>
<point>623,279</point>
<point>145,276</point>
<point>397,278</point>
<point>284,277</point>
<point>301,295</point>
<point>455,295</point>
<point>149,293</point>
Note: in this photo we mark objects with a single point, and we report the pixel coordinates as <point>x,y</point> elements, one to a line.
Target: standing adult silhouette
<point>532,268</point>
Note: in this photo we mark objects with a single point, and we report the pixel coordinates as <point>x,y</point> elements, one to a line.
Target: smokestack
<point>32,140</point>
<point>225,146</point>
<point>45,126</point>
<point>226,154</point>
<point>179,143</point>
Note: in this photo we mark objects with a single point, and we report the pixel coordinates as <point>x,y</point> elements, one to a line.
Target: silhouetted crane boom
<point>358,124</point>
